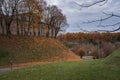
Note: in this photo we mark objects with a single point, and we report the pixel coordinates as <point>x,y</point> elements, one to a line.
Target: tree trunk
<point>18,33</point>
<point>56,32</point>
<point>25,33</point>
<point>47,34</point>
<point>2,27</point>
<point>52,32</point>
<point>39,31</point>
<point>34,31</point>
<point>8,31</point>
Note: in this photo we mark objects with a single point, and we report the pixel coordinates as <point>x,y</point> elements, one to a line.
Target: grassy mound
<point>113,59</point>
<point>30,49</point>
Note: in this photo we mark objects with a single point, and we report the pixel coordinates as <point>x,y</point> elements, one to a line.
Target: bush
<point>81,52</point>
<point>108,48</point>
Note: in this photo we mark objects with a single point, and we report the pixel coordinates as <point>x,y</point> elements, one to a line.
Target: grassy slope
<point>30,49</point>
<point>86,70</point>
<point>113,59</point>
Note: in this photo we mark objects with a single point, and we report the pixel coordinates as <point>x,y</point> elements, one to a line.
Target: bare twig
<point>103,19</point>
<point>101,30</point>
<point>115,24</point>
<point>109,30</point>
<point>92,4</point>
<point>104,2</point>
<point>108,17</point>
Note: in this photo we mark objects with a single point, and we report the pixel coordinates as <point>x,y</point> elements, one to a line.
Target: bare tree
<point>1,18</point>
<point>55,21</point>
<point>60,23</point>
<point>34,11</point>
<point>49,18</point>
<point>27,17</point>
<point>8,10</point>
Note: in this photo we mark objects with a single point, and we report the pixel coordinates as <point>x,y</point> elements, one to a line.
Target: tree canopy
<point>31,17</point>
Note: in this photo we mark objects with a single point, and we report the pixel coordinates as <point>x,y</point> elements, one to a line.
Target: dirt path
<point>22,65</point>
<point>7,69</point>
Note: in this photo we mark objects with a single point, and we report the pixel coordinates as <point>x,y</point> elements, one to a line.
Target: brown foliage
<point>81,52</point>
<point>31,17</point>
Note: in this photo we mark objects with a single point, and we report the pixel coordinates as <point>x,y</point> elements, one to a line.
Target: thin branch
<point>112,14</point>
<point>104,3</point>
<point>118,23</point>
<point>101,30</point>
<point>99,19</point>
<point>104,19</point>
<point>108,16</point>
<point>92,4</point>
<point>108,30</point>
<point>85,30</point>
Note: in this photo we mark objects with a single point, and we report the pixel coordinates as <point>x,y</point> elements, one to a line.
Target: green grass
<point>113,59</point>
<point>84,70</point>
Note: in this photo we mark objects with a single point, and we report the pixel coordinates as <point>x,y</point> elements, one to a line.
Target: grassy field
<point>105,69</point>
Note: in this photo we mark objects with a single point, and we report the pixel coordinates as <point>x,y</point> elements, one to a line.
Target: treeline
<point>90,37</point>
<point>30,17</point>
<point>98,45</point>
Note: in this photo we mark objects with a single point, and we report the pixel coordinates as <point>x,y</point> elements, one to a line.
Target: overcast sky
<point>76,15</point>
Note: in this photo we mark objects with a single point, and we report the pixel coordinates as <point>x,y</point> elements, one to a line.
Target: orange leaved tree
<point>81,52</point>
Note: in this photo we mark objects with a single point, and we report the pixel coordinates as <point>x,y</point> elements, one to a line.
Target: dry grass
<point>33,49</point>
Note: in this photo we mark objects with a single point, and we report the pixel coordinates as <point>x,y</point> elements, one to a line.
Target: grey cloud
<point>75,15</point>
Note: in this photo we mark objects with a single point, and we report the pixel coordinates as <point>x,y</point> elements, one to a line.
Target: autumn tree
<point>30,17</point>
<point>81,52</point>
<point>33,14</point>
<point>55,20</point>
<point>8,11</point>
<point>60,24</point>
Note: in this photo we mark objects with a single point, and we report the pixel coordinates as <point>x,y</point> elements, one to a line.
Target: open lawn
<point>84,70</point>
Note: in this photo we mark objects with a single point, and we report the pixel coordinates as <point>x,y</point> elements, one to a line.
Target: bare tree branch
<point>112,14</point>
<point>92,4</point>
<point>108,30</point>
<point>104,3</point>
<point>104,19</point>
<point>114,30</point>
<point>108,16</point>
<point>118,23</point>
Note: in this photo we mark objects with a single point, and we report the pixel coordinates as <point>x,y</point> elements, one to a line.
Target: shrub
<point>81,52</point>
